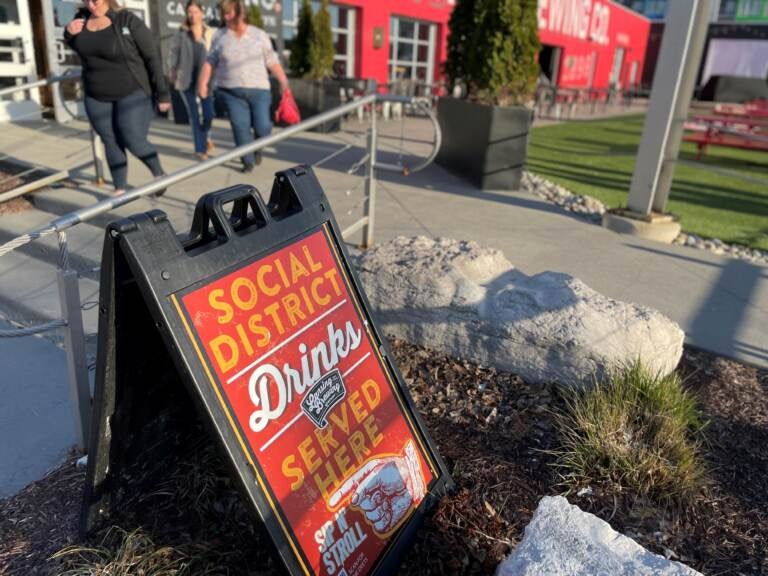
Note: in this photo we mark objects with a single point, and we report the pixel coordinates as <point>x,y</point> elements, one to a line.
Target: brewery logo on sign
<point>323,396</point>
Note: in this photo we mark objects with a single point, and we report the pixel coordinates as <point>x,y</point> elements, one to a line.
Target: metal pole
<point>99,158</point>
<point>370,186</point>
<point>74,344</point>
<point>679,57</point>
<point>690,72</point>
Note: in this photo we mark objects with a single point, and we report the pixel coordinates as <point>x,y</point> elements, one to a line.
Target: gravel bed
<point>593,210</point>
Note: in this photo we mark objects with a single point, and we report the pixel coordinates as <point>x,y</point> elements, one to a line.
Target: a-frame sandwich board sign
<point>260,316</point>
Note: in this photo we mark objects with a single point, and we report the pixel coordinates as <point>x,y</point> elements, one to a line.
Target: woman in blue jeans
<point>121,74</point>
<point>240,59</point>
<point>188,53</point>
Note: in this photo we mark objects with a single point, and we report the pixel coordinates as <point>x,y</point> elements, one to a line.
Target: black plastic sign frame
<point>260,316</point>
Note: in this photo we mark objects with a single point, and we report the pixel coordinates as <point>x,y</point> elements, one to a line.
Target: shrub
<point>460,31</point>
<point>321,49</point>
<point>122,552</point>
<point>634,432</point>
<point>492,48</point>
<point>254,16</point>
<point>299,61</point>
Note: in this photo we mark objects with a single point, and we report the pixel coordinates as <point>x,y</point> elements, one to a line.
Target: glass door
<point>618,62</point>
<point>411,50</point>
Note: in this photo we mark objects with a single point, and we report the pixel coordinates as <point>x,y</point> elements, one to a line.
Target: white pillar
<point>685,32</point>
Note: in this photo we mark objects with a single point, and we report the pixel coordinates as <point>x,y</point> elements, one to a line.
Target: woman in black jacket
<point>122,72</point>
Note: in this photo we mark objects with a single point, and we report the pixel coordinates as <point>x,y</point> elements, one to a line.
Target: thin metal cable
<point>350,191</point>
<point>359,164</point>
<point>394,195</point>
<point>67,133</point>
<point>63,250</point>
<point>402,133</point>
<point>87,271</point>
<point>25,239</point>
<point>32,330</point>
<point>332,155</point>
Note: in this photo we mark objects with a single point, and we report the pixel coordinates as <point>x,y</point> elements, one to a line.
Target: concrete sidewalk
<point>722,304</point>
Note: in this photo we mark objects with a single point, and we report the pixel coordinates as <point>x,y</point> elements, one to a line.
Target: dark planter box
<point>316,96</point>
<point>486,145</point>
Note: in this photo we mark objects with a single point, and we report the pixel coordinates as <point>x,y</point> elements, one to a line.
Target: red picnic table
<point>756,109</point>
<point>733,131</point>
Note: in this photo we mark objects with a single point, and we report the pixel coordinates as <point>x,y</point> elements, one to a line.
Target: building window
<point>411,50</point>
<point>616,68</point>
<point>748,9</point>
<point>728,10</point>
<point>9,13</point>
<point>342,26</point>
<point>12,51</point>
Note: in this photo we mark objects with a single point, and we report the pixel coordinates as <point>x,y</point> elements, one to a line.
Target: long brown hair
<point>237,5</point>
<point>197,3</point>
<point>114,5</point>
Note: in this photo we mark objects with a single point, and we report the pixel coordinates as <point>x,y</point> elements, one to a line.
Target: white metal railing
<point>67,278</point>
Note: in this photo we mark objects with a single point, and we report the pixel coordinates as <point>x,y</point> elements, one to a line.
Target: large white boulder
<point>564,540</point>
<point>469,302</point>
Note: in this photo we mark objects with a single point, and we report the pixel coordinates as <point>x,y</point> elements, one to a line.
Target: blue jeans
<point>123,125</point>
<point>199,129</point>
<point>248,110</point>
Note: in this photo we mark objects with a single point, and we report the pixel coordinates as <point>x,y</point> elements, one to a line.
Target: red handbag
<point>287,111</point>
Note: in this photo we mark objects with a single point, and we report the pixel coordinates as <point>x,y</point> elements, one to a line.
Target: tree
<point>254,16</point>
<point>299,61</point>
<point>321,51</point>
<point>460,31</point>
<point>493,49</point>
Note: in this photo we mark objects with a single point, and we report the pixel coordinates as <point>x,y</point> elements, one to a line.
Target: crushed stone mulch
<point>494,431</point>
<point>13,175</point>
<point>8,181</point>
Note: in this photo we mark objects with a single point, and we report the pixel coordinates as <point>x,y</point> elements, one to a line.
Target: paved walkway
<point>722,304</point>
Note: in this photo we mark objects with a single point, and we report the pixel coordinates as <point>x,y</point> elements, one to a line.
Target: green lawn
<point>597,158</point>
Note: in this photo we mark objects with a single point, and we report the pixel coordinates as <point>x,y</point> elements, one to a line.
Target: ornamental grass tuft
<point>122,553</point>
<point>633,432</point>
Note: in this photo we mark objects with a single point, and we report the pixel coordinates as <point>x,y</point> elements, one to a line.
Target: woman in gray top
<point>188,53</point>
<point>240,59</point>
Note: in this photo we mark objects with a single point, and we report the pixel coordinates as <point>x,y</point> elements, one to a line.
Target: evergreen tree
<point>254,15</point>
<point>460,32</point>
<point>498,58</point>
<point>321,51</point>
<point>299,61</point>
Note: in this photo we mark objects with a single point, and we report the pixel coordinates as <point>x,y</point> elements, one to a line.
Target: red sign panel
<point>317,413</point>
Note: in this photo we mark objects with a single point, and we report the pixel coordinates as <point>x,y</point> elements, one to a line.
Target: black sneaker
<point>247,168</point>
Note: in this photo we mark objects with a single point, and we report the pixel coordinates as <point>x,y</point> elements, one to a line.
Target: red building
<point>586,43</point>
<point>384,40</point>
<point>592,43</point>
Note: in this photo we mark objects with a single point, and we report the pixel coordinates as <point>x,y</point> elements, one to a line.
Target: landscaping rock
<point>564,540</point>
<point>469,302</point>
